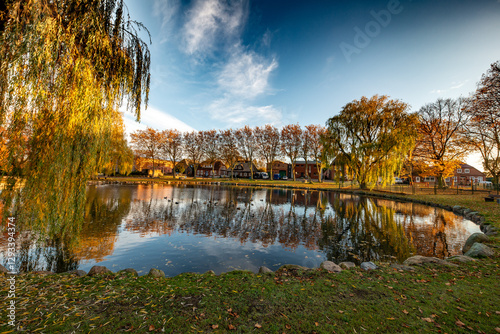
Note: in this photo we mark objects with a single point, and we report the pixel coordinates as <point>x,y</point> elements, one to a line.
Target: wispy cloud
<point>246,75</point>
<point>236,113</point>
<point>211,21</point>
<point>167,10</point>
<point>453,86</point>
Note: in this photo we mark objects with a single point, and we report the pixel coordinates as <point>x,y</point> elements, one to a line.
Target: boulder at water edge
<point>129,271</point>
<point>476,237</point>
<point>368,266</point>
<point>480,250</point>
<point>330,266</point>
<point>418,260</point>
<point>98,270</point>
<point>264,270</point>
<point>347,265</point>
<point>156,273</point>
<point>460,258</point>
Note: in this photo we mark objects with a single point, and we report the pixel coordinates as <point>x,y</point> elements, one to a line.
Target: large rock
<point>264,270</point>
<point>347,265</point>
<point>460,258</point>
<point>98,270</point>
<point>402,267</point>
<point>43,272</point>
<point>3,270</point>
<point>78,273</point>
<point>156,273</point>
<point>480,250</point>
<point>476,237</point>
<point>330,266</point>
<point>419,260</point>
<point>368,266</point>
<point>131,271</point>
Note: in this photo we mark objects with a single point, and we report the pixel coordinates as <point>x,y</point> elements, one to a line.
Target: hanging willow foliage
<point>372,137</point>
<point>65,67</point>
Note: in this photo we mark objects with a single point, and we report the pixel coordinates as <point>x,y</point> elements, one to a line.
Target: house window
<point>459,170</point>
<point>429,179</point>
<point>467,171</point>
<point>479,178</point>
<point>417,179</point>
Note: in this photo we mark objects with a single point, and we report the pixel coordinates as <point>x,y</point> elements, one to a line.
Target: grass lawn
<point>432,299</point>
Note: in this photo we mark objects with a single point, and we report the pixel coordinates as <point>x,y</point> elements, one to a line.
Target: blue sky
<point>223,63</point>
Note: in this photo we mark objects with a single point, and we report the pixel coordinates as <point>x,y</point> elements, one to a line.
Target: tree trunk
<point>293,171</point>
<point>320,178</point>
<point>173,169</point>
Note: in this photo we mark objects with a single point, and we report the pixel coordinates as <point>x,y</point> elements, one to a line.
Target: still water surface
<point>198,228</point>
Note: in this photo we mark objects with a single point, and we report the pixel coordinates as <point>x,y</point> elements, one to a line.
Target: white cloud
<point>236,113</point>
<point>246,75</point>
<point>210,21</point>
<point>153,118</point>
<point>453,86</point>
<point>166,10</point>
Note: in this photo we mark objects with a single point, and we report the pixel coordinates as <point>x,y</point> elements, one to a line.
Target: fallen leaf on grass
<point>151,328</point>
<point>231,327</point>
<point>215,326</point>
<point>460,309</point>
<point>340,311</point>
<point>405,312</point>
<point>459,323</point>
<point>427,319</point>
<point>288,326</point>
<point>316,324</point>
<point>390,319</point>
<point>497,330</point>
<point>258,326</point>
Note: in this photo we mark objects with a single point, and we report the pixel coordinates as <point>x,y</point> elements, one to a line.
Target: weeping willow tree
<point>65,68</point>
<point>373,137</point>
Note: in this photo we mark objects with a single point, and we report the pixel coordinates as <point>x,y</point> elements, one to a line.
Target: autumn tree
<point>483,128</point>
<point>146,144</point>
<point>120,156</point>
<point>441,142</point>
<point>211,147</point>
<point>228,149</point>
<point>315,135</point>
<point>64,68</point>
<point>194,148</point>
<point>268,145</point>
<point>247,145</point>
<point>172,146</point>
<point>291,143</point>
<point>373,136</point>
<point>305,149</point>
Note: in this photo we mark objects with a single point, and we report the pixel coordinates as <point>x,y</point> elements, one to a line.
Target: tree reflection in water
<point>338,227</point>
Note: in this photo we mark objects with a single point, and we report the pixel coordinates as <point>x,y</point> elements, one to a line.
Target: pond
<point>183,228</point>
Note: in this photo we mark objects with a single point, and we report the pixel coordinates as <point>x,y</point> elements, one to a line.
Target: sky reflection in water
<point>198,228</point>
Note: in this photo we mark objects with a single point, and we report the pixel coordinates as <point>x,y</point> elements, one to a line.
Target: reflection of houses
<point>145,165</point>
<point>242,170</point>
<point>464,175</point>
<point>205,169</point>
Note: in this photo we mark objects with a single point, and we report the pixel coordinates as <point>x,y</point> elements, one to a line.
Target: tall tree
<point>483,129</point>
<point>315,134</point>
<point>441,142</point>
<point>211,147</point>
<point>147,143</point>
<point>305,149</point>
<point>229,149</point>
<point>194,148</point>
<point>373,136</point>
<point>268,145</point>
<point>291,143</point>
<point>247,145</point>
<point>120,157</point>
<point>64,68</point>
<point>172,146</point>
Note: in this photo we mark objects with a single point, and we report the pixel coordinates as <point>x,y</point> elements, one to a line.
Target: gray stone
<point>98,270</point>
<point>210,272</point>
<point>3,270</point>
<point>330,266</point>
<point>418,260</point>
<point>460,258</point>
<point>129,271</point>
<point>347,265</point>
<point>402,267</point>
<point>491,233</point>
<point>156,273</point>
<point>264,270</point>
<point>480,250</point>
<point>457,209</point>
<point>289,267</point>
<point>368,266</point>
<point>471,215</point>
<point>476,237</point>
<point>78,273</point>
